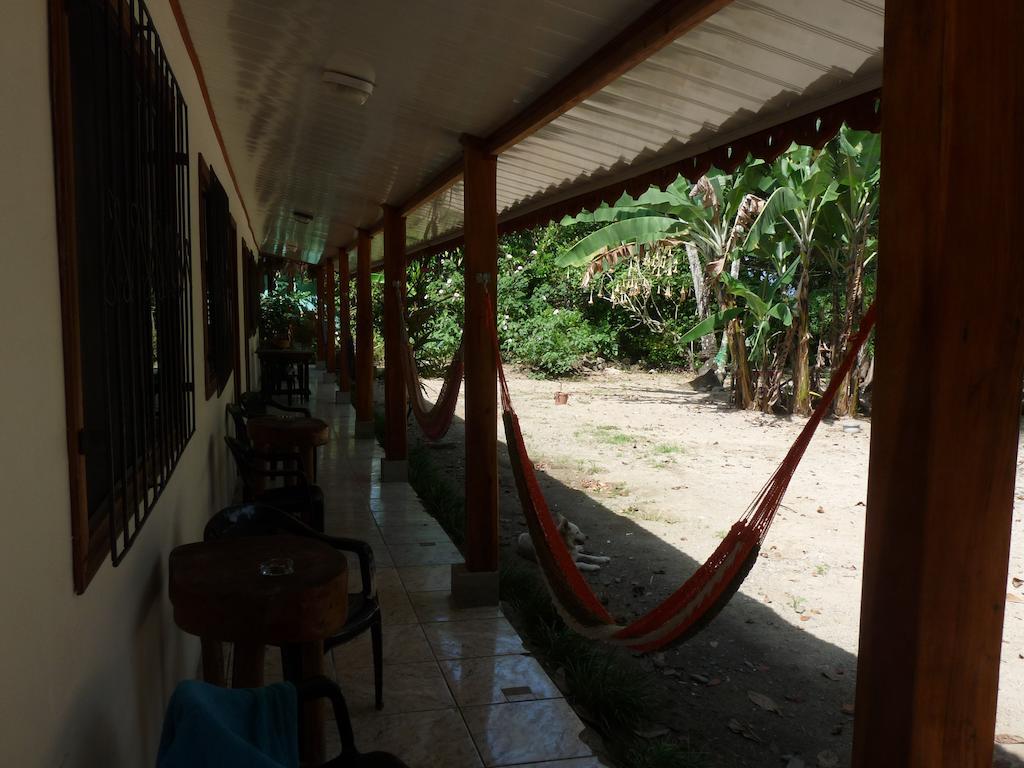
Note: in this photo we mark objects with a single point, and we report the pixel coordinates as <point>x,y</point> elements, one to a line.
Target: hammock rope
<point>435,418</point>
<point>705,593</point>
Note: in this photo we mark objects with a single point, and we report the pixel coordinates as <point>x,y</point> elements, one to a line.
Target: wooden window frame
<point>227,293</point>
<point>91,535</point>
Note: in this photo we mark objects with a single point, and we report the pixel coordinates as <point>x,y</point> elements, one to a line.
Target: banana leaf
<point>640,230</point>
<point>710,324</point>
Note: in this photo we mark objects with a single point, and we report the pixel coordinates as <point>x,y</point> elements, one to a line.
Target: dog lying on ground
<point>574,540</point>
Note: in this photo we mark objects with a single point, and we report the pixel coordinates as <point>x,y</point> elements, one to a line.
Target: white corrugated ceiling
<point>448,67</point>
<point>442,68</point>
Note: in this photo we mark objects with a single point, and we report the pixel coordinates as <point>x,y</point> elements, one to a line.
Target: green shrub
<point>557,342</point>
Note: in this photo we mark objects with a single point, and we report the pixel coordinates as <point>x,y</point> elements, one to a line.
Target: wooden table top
<point>288,430</point>
<point>290,354</point>
<point>218,591</point>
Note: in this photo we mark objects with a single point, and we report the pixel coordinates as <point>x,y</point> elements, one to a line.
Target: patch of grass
<point>821,569</point>
<point>605,433</point>
<point>662,753</point>
<point>650,515</point>
<point>721,533</point>
<point>667,449</point>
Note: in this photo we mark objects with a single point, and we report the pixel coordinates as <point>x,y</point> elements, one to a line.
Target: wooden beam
<point>481,272</point>
<point>946,401</point>
<point>653,30</point>
<point>364,338</point>
<point>443,181</point>
<point>395,439</point>
<point>345,324</point>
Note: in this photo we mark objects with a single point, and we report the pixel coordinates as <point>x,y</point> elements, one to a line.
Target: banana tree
<point>858,171</point>
<point>808,176</point>
<point>715,221</point>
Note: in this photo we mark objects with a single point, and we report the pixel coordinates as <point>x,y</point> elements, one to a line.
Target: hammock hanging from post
<point>434,420</point>
<point>706,592</point>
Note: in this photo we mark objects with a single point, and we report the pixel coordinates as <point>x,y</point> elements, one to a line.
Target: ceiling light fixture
<point>351,88</point>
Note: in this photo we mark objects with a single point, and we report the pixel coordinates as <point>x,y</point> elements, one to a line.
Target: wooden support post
<point>344,325</point>
<point>947,388</point>
<point>364,338</point>
<point>395,440</point>
<point>481,269</point>
<point>330,313</point>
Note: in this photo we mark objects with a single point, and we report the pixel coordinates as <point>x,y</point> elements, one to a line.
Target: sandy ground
<point>655,473</point>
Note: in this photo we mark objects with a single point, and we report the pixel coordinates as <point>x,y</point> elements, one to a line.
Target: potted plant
<point>280,311</point>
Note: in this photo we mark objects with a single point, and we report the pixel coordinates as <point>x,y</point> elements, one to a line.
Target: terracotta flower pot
<point>561,398</point>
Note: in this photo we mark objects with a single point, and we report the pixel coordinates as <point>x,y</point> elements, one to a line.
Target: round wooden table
<point>259,591</point>
<point>290,433</point>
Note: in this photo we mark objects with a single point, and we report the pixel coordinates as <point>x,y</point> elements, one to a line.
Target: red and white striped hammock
<point>705,593</point>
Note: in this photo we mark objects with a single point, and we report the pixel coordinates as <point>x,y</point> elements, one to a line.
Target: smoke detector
<point>349,87</point>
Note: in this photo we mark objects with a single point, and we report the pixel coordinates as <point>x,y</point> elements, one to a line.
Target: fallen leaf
<point>699,678</point>
<point>1012,598</point>
<point>1006,738</point>
<point>805,617</point>
<point>736,726</point>
<point>764,702</point>
<point>832,674</point>
<point>828,759</point>
<point>847,709</point>
<point>1018,583</point>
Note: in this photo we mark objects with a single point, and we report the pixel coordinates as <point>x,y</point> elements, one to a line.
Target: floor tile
<point>438,606</point>
<point>471,639</point>
<point>413,687</point>
<point>403,643</point>
<point>497,680</point>
<point>413,533</point>
<point>526,731</point>
<point>441,553</point>
<point>426,578</point>
<point>395,606</point>
<point>436,739</point>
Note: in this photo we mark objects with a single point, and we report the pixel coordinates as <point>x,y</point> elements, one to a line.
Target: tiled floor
<point>459,688</point>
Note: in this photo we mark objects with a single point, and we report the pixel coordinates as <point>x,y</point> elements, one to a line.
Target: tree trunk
<point>845,403</point>
<point>708,347</point>
<point>801,367</point>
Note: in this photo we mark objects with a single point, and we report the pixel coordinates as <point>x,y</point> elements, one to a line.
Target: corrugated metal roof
<point>448,67</point>
<point>749,66</point>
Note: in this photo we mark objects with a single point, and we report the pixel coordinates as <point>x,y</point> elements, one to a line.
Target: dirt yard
<point>655,473</point>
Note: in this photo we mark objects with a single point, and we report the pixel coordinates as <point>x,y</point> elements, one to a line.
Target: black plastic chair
<point>350,757</point>
<point>301,500</point>
<point>364,612</point>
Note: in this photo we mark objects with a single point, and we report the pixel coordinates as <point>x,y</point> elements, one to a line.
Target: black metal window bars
<point>130,133</point>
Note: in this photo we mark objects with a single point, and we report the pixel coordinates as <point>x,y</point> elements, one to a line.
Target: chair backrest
<point>237,415</point>
<point>254,520</point>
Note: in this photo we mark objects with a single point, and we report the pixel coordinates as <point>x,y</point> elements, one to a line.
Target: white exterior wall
<point>84,678</point>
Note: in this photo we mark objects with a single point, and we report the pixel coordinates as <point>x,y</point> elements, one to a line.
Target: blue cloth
<point>223,728</point>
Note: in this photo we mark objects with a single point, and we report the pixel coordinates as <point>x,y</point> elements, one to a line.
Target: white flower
<point>449,281</point>
<point>533,252</point>
<point>508,255</point>
<point>556,311</point>
<point>519,268</point>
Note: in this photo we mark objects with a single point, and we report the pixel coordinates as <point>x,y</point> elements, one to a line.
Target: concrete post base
<point>394,471</point>
<point>473,589</point>
<point>342,398</point>
<point>365,430</point>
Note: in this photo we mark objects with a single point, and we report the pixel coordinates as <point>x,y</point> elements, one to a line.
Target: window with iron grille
<point>218,247</point>
<point>121,148</point>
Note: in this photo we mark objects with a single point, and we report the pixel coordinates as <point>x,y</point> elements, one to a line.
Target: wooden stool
<point>285,433</point>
